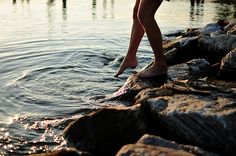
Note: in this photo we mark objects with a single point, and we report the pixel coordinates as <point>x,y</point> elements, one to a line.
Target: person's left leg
<point>130,60</point>
<point>146,12</point>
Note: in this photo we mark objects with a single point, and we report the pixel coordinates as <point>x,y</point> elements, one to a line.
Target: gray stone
<point>192,69</point>
<point>215,48</point>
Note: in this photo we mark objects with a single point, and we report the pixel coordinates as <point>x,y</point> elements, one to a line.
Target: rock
<point>228,66</point>
<point>182,50</point>
<point>215,48</point>
<point>210,28</point>
<point>191,32</point>
<point>133,85</point>
<point>64,152</point>
<point>231,29</point>
<point>192,69</point>
<point>191,118</point>
<point>105,131</point>
<point>150,145</point>
<point>190,105</point>
<point>147,150</point>
<point>211,42</point>
<point>172,88</point>
<point>160,142</point>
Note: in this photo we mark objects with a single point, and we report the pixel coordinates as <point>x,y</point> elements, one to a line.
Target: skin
<point>144,22</point>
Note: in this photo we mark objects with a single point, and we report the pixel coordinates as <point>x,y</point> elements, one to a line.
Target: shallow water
<point>57,56</point>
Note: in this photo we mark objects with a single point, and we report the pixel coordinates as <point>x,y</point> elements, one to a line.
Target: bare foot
<point>126,63</point>
<point>154,70</point>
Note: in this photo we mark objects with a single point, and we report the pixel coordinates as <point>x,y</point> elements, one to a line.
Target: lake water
<point>57,56</point>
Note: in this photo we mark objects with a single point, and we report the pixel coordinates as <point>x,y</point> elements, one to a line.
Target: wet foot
<point>126,63</point>
<point>154,70</point>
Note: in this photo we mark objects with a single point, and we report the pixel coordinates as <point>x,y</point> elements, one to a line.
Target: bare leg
<point>146,12</point>
<point>130,60</point>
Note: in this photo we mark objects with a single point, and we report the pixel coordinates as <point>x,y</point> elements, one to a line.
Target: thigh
<point>136,7</point>
<point>149,7</point>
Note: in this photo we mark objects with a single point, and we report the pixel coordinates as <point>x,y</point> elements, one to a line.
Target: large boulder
<point>107,130</point>
<point>195,112</point>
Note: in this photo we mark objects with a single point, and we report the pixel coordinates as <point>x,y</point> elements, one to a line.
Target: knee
<point>135,13</point>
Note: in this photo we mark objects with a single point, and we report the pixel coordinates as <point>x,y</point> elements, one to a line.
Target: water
<point>57,56</point>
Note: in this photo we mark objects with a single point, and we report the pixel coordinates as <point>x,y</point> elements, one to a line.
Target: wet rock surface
<point>194,105</point>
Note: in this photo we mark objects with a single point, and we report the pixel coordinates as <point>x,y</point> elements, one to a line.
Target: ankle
<point>160,64</point>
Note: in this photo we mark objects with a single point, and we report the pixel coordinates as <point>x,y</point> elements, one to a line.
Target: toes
<point>116,75</point>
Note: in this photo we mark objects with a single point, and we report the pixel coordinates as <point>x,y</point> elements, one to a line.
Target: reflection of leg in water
<point>196,10</point>
<point>64,3</point>
<point>197,2</point>
<point>192,2</point>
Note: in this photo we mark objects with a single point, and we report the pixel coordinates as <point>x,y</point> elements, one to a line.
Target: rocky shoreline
<point>190,112</point>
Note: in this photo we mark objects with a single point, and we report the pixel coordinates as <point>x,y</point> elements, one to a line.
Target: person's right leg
<point>146,12</point>
<point>130,60</point>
